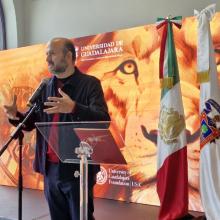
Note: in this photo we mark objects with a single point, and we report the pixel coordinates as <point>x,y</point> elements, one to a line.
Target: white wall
<point>13,11</point>
<point>19,10</point>
<point>40,20</point>
<point>10,23</point>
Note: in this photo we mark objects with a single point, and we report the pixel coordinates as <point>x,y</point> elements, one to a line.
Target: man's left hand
<point>63,104</point>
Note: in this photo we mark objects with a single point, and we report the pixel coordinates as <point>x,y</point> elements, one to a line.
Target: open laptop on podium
<point>84,143</point>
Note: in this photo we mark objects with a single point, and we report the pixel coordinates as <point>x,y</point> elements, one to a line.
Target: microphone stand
<point>17,133</point>
<point>20,177</point>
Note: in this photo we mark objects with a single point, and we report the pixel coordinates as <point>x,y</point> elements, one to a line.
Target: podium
<point>84,143</point>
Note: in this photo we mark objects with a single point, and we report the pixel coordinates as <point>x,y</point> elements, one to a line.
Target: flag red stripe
<point>172,186</point>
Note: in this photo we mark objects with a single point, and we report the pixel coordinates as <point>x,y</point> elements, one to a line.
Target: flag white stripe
<point>165,63</point>
<point>170,100</point>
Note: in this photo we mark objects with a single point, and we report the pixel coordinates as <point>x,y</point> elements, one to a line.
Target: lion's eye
<point>128,67</point>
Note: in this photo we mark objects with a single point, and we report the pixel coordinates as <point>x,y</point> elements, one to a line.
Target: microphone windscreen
<point>37,93</point>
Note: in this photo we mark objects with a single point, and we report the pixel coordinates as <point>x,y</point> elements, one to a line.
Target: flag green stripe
<point>172,59</point>
<point>173,70</point>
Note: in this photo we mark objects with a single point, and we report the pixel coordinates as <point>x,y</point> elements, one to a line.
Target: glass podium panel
<point>103,137</point>
<point>84,143</point>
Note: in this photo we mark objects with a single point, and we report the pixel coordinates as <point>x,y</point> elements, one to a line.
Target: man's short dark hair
<point>69,46</point>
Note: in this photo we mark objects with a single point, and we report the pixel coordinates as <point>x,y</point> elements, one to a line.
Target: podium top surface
<point>102,136</point>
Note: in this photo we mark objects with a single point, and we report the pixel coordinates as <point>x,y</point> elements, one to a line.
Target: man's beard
<point>59,68</point>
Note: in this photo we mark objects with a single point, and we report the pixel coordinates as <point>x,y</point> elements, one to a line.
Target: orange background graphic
<point>127,63</point>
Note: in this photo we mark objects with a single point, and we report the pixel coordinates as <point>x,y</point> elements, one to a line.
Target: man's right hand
<point>11,110</point>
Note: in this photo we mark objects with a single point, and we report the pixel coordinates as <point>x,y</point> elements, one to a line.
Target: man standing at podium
<point>68,96</point>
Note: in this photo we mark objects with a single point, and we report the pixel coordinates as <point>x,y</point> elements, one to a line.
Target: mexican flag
<point>209,117</point>
<point>172,173</point>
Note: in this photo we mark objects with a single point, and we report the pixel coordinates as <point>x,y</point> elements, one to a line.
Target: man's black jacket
<point>90,106</point>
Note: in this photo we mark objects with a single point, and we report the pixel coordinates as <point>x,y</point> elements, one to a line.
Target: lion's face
<point>131,86</point>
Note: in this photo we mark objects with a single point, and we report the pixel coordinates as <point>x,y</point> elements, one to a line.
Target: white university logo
<point>102,176</point>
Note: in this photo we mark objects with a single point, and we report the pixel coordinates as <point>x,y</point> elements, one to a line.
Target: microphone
<point>37,93</point>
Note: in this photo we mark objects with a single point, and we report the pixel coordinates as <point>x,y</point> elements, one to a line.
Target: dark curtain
<point>2,28</point>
